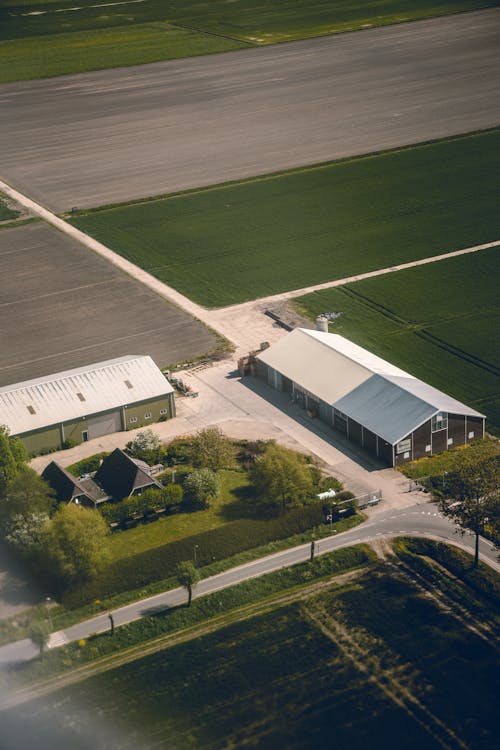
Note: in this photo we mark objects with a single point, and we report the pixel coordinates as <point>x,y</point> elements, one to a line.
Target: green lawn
<point>403,673</point>
<point>87,36</point>
<point>228,244</point>
<point>438,321</point>
<point>181,525</point>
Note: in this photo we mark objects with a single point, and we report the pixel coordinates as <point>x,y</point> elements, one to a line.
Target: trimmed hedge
<point>138,570</point>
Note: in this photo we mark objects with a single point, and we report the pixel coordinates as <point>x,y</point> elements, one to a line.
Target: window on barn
<point>148,415</point>
<point>132,420</point>
<point>439,421</point>
<point>163,412</point>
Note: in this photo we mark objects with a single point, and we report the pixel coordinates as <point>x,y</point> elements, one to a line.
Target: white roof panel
<point>81,392</point>
<point>314,365</point>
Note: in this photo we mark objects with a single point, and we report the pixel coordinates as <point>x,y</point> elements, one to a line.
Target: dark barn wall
<point>456,429</point>
<point>439,441</point>
<point>421,439</point>
<point>475,425</point>
<point>354,431</point>
<point>369,441</point>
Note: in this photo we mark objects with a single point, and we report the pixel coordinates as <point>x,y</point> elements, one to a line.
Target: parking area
<point>63,306</point>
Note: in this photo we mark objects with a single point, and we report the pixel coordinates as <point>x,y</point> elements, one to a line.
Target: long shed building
<point>383,409</point>
<point>87,402</point>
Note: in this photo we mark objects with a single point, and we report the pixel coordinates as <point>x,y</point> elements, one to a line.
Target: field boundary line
<point>361,276</point>
<point>165,291</point>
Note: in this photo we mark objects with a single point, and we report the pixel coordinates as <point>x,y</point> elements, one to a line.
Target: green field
<point>373,663</point>
<point>46,38</point>
<point>233,243</point>
<point>438,321</point>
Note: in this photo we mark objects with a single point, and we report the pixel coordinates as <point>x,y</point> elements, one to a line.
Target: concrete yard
<point>121,134</point>
<point>63,306</point>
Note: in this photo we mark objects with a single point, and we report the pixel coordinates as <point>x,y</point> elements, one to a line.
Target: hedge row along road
<point>421,520</point>
<point>96,138</point>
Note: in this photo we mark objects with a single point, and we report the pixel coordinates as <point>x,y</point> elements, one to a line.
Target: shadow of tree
<point>248,504</point>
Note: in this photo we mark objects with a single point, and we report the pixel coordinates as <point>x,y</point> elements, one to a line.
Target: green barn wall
<point>50,438</point>
<point>42,440</point>
<point>73,430</point>
<point>153,407</point>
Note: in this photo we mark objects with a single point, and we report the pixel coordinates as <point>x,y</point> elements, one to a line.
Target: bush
<point>68,444</point>
<point>217,544</point>
<point>344,495</point>
<point>179,451</point>
<point>331,483</point>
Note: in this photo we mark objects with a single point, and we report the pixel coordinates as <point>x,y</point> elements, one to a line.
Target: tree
<point>25,532</point>
<point>146,446</point>
<point>210,449</point>
<point>8,463</point>
<point>26,494</point>
<point>282,476</point>
<point>39,632</point>
<point>201,486</point>
<point>473,491</point>
<point>74,544</point>
<point>187,576</point>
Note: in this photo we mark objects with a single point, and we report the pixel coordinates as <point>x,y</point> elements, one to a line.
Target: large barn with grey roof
<point>87,402</point>
<point>379,407</point>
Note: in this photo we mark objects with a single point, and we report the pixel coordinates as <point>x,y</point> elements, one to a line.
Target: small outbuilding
<point>376,405</point>
<point>87,402</point>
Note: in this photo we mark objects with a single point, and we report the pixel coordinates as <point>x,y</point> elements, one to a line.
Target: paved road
<point>421,520</point>
<point>114,135</point>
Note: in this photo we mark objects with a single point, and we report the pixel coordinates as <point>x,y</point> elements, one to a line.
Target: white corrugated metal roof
<point>80,393</point>
<point>382,397</point>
